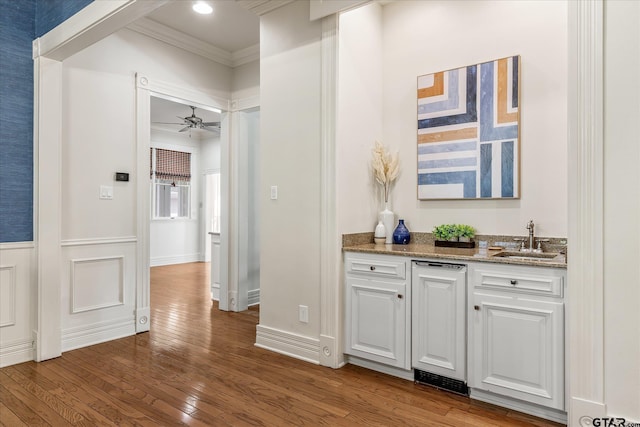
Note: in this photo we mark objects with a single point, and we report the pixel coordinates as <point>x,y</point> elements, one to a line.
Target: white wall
<point>290,115</point>
<point>622,210</point>
<point>360,117</point>
<point>100,237</point>
<point>246,80</point>
<point>425,37</point>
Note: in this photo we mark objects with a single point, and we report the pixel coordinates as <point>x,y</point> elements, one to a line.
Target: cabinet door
<point>377,324</point>
<point>438,310</point>
<point>518,348</point>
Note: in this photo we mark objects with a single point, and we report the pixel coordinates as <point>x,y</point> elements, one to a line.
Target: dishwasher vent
<point>438,381</point>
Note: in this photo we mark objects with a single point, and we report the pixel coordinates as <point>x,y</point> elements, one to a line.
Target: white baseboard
<point>379,367</point>
<point>12,353</point>
<point>254,297</point>
<point>176,259</point>
<point>215,292</point>
<point>293,345</point>
<point>582,411</point>
<point>96,333</point>
<point>143,319</point>
<point>520,406</point>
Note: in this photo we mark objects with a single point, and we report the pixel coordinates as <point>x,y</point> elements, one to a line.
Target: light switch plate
<point>303,313</point>
<point>106,192</point>
<point>274,192</point>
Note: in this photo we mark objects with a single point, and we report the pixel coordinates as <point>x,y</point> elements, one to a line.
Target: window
<point>171,178</point>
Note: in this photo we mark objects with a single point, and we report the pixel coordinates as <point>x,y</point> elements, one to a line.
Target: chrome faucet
<point>530,227</point>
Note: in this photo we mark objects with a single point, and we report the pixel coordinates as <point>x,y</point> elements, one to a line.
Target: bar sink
<point>529,256</point>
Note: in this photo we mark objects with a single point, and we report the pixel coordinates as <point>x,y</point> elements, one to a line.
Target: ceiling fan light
<point>202,8</point>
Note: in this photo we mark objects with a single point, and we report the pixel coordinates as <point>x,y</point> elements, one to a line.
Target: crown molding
<point>180,40</point>
<point>260,7</point>
<point>246,55</point>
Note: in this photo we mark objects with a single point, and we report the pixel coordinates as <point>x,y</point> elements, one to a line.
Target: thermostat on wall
<point>122,176</point>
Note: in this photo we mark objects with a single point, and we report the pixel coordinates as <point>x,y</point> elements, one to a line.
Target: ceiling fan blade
<point>216,124</point>
<point>185,129</point>
<point>211,129</point>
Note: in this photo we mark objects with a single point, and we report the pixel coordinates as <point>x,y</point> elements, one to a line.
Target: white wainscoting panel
<point>97,283</point>
<point>7,295</point>
<point>98,291</point>
<point>17,293</point>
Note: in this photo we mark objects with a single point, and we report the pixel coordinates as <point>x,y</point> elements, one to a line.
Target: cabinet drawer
<point>376,267</point>
<point>526,280</point>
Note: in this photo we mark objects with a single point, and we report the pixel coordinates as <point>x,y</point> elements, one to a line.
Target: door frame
<point>145,88</point>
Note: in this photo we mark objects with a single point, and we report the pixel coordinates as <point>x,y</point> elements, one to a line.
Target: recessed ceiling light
<point>202,8</point>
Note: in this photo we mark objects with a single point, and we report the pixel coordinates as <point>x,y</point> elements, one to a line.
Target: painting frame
<point>468,132</point>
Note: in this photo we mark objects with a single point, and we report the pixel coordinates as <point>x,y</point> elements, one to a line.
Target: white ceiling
<point>230,27</point>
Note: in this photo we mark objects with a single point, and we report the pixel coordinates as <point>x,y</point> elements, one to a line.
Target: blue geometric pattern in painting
<point>448,104</point>
<point>476,143</point>
<point>470,115</point>
<point>487,103</point>
<point>467,179</point>
<point>507,168</point>
<point>446,148</point>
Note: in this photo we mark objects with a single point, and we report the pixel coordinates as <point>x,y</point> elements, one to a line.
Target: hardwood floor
<point>199,366</point>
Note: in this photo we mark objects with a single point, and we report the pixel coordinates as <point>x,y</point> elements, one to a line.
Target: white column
<point>585,266</point>
<point>47,149</point>
<point>330,259</point>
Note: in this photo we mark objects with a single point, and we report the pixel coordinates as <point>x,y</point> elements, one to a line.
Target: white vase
<point>388,219</point>
<point>380,234</point>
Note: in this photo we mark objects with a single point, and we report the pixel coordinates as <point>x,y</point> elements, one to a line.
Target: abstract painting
<point>469,132</point>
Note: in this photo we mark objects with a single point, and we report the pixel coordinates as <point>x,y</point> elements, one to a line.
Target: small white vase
<point>380,234</point>
<point>388,219</point>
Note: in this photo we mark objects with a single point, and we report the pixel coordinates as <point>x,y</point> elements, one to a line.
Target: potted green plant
<point>443,232</point>
<point>454,235</point>
<point>465,232</point>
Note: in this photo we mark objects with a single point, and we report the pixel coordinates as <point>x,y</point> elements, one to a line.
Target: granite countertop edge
<point>428,250</point>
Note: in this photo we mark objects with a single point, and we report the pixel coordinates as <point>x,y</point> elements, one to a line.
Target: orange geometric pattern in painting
<point>503,77</point>
<point>436,89</point>
<point>451,135</point>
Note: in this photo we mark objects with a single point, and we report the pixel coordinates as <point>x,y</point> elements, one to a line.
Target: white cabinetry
<point>516,332</point>
<point>377,310</point>
<point>438,338</point>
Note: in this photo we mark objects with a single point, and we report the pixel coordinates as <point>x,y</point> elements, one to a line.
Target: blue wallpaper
<point>50,13</point>
<point>17,26</point>
<point>20,23</point>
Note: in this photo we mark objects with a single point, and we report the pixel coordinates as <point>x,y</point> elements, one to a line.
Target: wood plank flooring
<point>198,366</point>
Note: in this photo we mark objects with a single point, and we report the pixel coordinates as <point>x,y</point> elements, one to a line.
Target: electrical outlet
<point>303,313</point>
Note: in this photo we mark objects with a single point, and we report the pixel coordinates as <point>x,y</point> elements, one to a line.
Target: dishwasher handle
<point>439,265</point>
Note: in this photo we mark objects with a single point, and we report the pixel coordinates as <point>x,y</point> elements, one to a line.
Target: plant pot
<point>449,244</point>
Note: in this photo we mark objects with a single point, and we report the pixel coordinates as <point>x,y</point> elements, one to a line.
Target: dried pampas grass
<point>386,167</point>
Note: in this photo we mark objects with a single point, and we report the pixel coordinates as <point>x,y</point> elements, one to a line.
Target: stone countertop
<point>425,250</point>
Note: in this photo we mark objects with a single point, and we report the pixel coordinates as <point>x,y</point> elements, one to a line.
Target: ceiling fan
<point>194,122</point>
